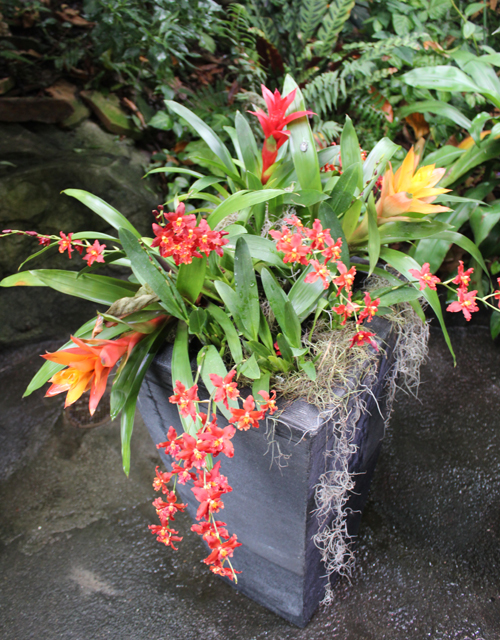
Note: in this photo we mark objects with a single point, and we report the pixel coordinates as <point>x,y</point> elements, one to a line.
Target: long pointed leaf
<point>108,213</point>
<point>246,288</point>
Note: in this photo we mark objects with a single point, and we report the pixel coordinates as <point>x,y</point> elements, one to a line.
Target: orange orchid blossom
<point>408,192</point>
<point>88,367</point>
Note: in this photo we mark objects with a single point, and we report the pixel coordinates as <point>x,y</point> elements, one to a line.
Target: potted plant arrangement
<point>267,318</point>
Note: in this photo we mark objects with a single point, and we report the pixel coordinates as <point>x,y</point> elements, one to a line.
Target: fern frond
<point>322,93</point>
<point>327,131</point>
<point>311,13</point>
<point>337,14</point>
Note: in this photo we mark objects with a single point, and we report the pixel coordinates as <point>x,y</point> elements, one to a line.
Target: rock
<point>48,110</point>
<point>41,161</point>
<point>110,113</point>
<point>63,90</point>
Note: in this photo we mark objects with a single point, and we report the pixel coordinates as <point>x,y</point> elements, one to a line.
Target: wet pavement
<point>77,561</point>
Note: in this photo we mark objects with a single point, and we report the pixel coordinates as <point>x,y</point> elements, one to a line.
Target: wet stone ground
<point>77,561</point>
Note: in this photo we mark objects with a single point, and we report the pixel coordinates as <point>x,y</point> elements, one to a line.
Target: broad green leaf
<point>249,368</point>
<point>403,263</point>
<point>108,213</point>
<point>478,125</point>
<point>203,183</point>
<point>373,233</point>
<point>148,272</point>
<point>304,295</point>
<point>181,369</point>
<point>343,192</point>
<point>378,158</point>
<point>241,200</point>
<point>404,294</point>
<point>197,320</point>
<point>309,369</point>
<point>407,231</point>
<point>258,348</point>
<point>304,197</point>
<point>265,333</point>
<point>330,221</point>
<point>98,289</point>
<point>191,277</point>
<point>465,243</point>
<point>302,143</point>
<point>351,219</point>
<point>205,132</point>
<point>248,145</point>
<point>495,323</point>
<point>94,235</point>
<point>329,155</point>
<point>441,78</point>
<point>444,156</point>
<point>476,155</point>
<point>439,107</point>
<point>210,362</point>
<point>261,249</point>
<point>247,292</point>
<point>282,308</point>
<point>349,149</point>
<point>181,170</point>
<point>483,220</point>
<point>23,279</point>
<point>233,340</point>
<point>230,300</point>
<point>284,347</point>
<point>261,384</point>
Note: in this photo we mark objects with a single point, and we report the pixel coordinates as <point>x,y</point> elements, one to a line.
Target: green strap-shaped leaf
<point>403,263</point>
<point>147,272</point>
<point>304,295</point>
<point>230,300</point>
<point>108,213</point>
<point>441,78</point>
<point>302,143</point>
<point>330,221</point>
<point>465,243</point>
<point>489,148</point>
<point>246,288</point>
<point>98,289</point>
<point>181,369</point>
<point>407,231</point>
<point>191,277</point>
<point>282,308</point>
<point>233,340</point>
<point>349,149</point>
<point>248,144</point>
<point>181,170</point>
<point>205,132</point>
<point>378,158</point>
<point>241,200</point>
<point>439,107</point>
<point>23,279</point>
<point>373,233</point>
<point>351,219</point>
<point>249,368</point>
<point>210,362</point>
<point>343,191</point>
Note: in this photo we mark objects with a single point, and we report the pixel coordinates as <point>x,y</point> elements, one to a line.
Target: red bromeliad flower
<point>88,367</point>
<point>425,277</point>
<point>346,310</point>
<point>370,308</point>
<point>463,277</point>
<point>269,402</point>
<point>164,533</point>
<point>466,302</point>
<point>273,123</point>
<point>320,271</point>
<point>95,253</point>
<point>185,399</point>
<point>225,387</point>
<point>364,337</point>
<point>247,417</point>
<point>346,278</point>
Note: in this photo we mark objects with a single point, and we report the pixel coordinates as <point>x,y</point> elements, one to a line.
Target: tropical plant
<point>269,247</point>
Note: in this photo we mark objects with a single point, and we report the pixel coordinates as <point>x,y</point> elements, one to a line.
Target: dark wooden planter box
<point>271,508</point>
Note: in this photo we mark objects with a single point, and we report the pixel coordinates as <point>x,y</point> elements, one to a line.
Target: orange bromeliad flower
<point>88,367</point>
<point>408,192</point>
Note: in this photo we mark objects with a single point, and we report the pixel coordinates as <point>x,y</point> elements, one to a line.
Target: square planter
<point>272,506</point>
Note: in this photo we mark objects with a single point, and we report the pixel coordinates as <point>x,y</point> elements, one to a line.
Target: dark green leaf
<point>103,209</point>
<point>349,149</point>
<point>230,332</point>
<point>249,368</point>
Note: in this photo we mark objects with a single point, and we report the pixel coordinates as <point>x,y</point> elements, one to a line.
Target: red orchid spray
<point>273,123</point>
